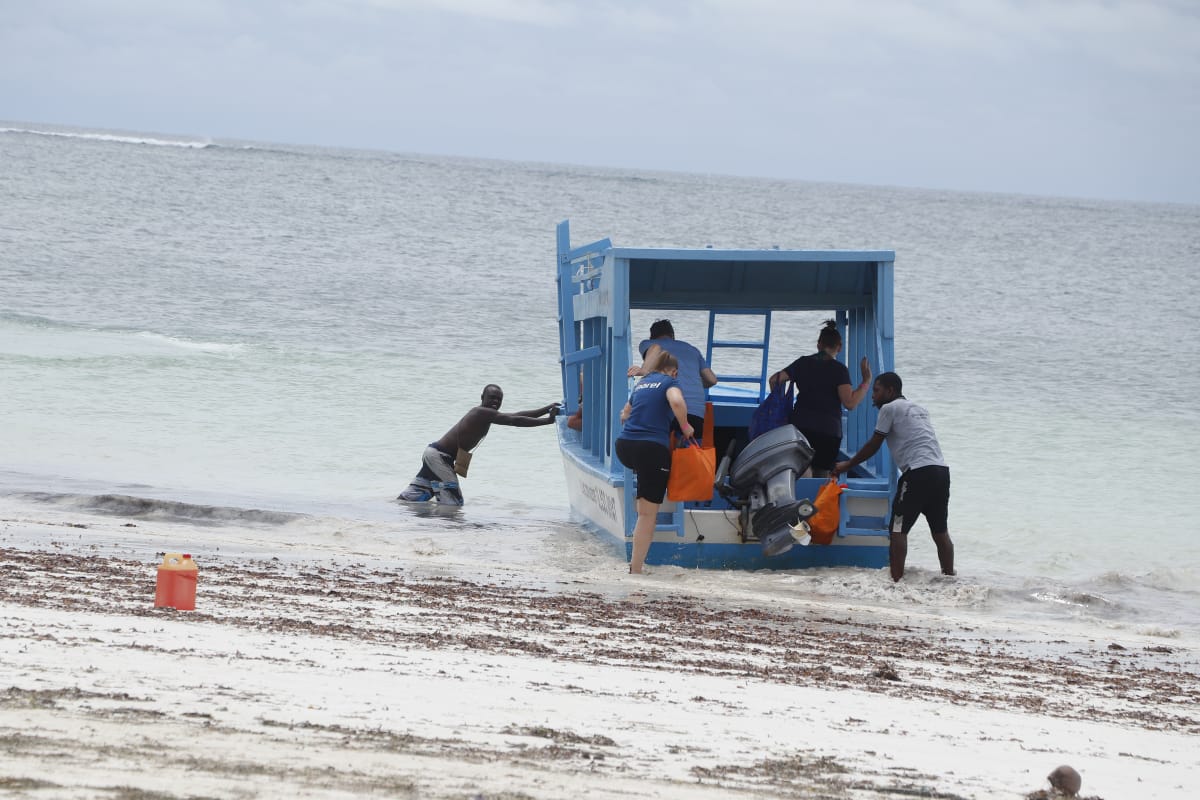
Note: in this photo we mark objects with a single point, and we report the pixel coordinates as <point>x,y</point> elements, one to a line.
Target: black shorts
<point>925,490</point>
<point>651,462</point>
<point>825,449</point>
<point>697,424</point>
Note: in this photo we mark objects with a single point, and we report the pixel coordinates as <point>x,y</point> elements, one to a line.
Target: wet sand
<point>307,676</point>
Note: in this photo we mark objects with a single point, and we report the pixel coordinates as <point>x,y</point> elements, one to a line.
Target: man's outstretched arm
<point>528,419</point>
<point>653,355</point>
<point>866,451</point>
<point>538,412</point>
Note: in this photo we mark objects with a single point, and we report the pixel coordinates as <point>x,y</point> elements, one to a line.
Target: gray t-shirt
<point>909,435</point>
<point>691,361</point>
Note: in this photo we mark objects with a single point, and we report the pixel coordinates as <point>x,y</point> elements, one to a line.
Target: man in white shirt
<point>924,486</point>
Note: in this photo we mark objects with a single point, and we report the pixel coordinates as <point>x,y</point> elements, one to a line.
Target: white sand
<point>312,677</point>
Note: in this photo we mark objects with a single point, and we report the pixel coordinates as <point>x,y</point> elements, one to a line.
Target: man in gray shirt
<point>924,486</point>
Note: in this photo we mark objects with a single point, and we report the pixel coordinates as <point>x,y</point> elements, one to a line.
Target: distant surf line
<point>114,137</point>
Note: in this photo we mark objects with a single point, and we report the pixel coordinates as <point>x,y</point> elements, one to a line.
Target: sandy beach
<point>305,675</point>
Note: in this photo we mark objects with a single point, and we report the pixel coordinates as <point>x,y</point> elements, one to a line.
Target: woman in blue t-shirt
<point>822,388</point>
<point>644,446</point>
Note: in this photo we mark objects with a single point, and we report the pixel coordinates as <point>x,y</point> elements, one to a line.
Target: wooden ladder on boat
<point>761,344</point>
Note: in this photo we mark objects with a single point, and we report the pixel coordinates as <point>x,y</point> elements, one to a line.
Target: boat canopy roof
<point>783,280</point>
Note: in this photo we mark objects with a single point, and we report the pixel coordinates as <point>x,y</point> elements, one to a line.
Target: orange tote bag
<point>823,525</point>
<point>694,466</point>
<point>693,470</point>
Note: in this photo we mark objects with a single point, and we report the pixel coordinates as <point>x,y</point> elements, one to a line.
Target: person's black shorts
<point>825,449</point>
<point>697,424</point>
<point>925,490</point>
<point>651,462</point>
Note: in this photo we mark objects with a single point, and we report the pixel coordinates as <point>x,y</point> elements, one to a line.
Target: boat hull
<point>594,498</point>
<point>710,539</point>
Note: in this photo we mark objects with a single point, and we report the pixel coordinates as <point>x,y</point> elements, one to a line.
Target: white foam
<point>188,344</point>
<point>197,144</point>
<point>53,339</point>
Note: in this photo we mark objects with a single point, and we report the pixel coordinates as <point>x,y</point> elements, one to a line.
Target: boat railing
<point>589,266</point>
<point>584,342</point>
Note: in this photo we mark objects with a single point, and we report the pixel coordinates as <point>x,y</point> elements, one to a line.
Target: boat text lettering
<point>605,503</point>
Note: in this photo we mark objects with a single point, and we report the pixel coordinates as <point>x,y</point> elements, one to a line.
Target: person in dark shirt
<point>822,388</point>
<point>695,376</point>
<point>644,446</point>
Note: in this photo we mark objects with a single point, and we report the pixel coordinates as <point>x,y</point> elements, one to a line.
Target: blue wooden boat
<point>598,285</point>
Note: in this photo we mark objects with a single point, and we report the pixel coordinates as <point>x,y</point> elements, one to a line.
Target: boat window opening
<point>794,334</point>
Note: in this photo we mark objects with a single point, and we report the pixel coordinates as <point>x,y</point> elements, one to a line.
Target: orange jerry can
<point>177,577</point>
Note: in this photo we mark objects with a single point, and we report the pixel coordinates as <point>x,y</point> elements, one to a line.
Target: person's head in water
<point>492,396</point>
<point>829,341</point>
<point>661,328</point>
<point>887,388</point>
<point>669,365</point>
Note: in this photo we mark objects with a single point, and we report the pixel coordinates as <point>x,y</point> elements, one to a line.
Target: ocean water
<point>258,340</point>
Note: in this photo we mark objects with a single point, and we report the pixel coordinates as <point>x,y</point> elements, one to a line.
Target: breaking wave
<point>195,144</point>
<point>124,505</point>
<point>91,341</point>
<point>190,344</point>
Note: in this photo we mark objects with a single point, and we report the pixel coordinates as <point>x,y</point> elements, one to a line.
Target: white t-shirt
<point>909,434</point>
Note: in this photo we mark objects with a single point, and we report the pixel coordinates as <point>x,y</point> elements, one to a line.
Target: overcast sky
<point>1090,98</point>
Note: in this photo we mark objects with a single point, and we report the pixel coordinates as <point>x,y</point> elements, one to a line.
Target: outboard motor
<point>765,473</point>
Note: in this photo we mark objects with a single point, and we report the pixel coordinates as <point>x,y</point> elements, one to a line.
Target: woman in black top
<point>822,388</point>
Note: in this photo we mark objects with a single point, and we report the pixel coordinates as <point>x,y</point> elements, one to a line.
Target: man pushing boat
<point>445,460</point>
<point>924,485</point>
